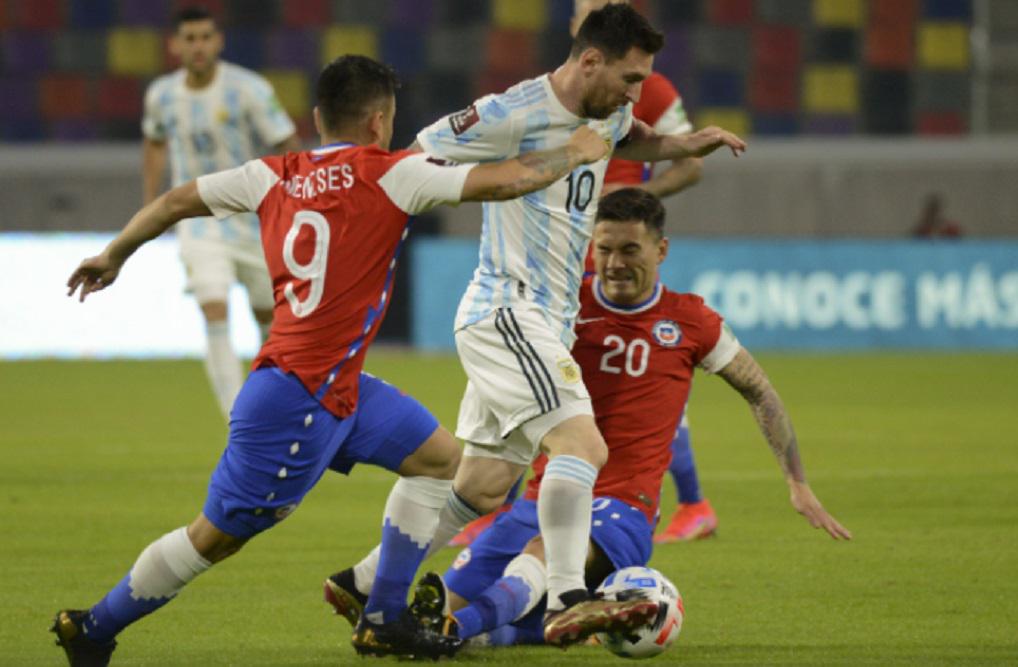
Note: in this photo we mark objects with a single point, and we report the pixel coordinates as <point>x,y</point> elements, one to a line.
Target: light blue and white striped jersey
<point>533,247</point>
<point>234,119</point>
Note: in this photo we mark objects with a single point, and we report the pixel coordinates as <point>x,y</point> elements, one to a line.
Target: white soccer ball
<point>652,639</point>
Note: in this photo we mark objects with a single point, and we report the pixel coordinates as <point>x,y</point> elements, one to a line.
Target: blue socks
<point>500,604</point>
<point>683,468</point>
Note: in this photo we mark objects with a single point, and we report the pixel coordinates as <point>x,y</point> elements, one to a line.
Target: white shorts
<point>521,383</point>
<point>214,266</point>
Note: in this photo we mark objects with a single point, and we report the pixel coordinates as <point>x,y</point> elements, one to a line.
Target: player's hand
<point>590,145</point>
<point>92,275</point>
<point>806,504</point>
<point>709,139</point>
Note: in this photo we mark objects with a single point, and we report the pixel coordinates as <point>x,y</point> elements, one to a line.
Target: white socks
<point>563,511</point>
<point>414,505</point>
<point>532,571</point>
<point>166,566</point>
<point>222,365</point>
<point>364,571</point>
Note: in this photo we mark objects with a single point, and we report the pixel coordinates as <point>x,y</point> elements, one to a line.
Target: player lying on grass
<point>638,344</point>
<point>333,222</point>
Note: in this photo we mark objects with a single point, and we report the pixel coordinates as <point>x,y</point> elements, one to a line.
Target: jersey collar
<point>328,148</point>
<point>645,305</point>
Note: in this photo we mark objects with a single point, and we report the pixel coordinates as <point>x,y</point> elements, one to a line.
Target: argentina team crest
<point>667,333</point>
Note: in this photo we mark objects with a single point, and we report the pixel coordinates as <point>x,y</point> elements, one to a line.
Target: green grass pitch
<point>917,454</point>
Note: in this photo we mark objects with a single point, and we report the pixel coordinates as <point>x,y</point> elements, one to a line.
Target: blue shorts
<point>620,530</point>
<point>282,440</point>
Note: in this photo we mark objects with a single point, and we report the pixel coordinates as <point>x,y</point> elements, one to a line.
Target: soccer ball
<point>650,640</point>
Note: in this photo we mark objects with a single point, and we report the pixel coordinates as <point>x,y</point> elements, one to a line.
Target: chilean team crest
<point>667,333</point>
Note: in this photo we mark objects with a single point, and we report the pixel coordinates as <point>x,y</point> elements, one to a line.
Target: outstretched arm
<point>646,145</point>
<point>99,272</point>
<point>508,179</point>
<point>746,376</point>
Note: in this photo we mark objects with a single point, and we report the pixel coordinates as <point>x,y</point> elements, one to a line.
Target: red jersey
<point>638,364</point>
<point>333,221</point>
<point>660,106</point>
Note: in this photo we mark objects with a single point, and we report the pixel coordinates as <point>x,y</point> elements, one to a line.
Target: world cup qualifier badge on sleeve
<point>667,333</point>
<point>461,121</point>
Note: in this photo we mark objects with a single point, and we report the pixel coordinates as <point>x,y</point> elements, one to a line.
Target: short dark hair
<point>633,205</point>
<point>349,86</point>
<point>192,13</point>
<point>614,29</point>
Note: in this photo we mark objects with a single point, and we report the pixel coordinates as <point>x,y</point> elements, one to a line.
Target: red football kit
<point>333,221</point>
<point>638,364</point>
<point>660,106</point>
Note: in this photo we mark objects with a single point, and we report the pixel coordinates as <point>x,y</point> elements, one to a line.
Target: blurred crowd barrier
<point>859,187</point>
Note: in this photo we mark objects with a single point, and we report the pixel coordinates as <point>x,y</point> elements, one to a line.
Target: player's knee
<point>211,543</point>
<point>577,437</point>
<point>535,548</point>
<point>438,457</point>
<point>485,501</point>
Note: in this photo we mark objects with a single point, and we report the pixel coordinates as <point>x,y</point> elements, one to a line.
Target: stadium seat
<point>404,49</point>
<point>941,123</point>
<point>64,96</point>
<point>721,47</point>
<point>789,12</point>
<point>774,90</point>
<point>368,12</point>
<point>122,130</point>
<point>889,46</point>
<point>341,40</point>
<point>835,45</point>
<point>1003,100</point>
<point>672,14</point>
<point>939,91</point>
<point>19,99</point>
<point>839,13</point>
<point>154,13</point>
<point>776,47</point>
<point>26,52</point>
<point>217,8</point>
<point>521,14</point>
<point>245,47</point>
<point>830,124</point>
<point>292,89</point>
<point>253,13</point>
<point>306,13</point>
<point>721,88</point>
<point>675,60</point>
<point>36,15</point>
<point>553,46</point>
<point>512,52</point>
<point>956,10</point>
<point>732,119</point>
<point>887,96</point>
<point>5,16</point>
<point>25,129</point>
<point>292,48</point>
<point>730,12</point>
<point>74,129</point>
<point>831,89</point>
<point>1003,16</point>
<point>464,12</point>
<point>457,49</point>
<point>944,45</point>
<point>92,13</point>
<point>560,14</point>
<point>134,51</point>
<point>416,14</point>
<point>767,124</point>
<point>120,98</point>
<point>898,13</point>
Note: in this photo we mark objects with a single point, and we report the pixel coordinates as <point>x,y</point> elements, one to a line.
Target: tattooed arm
<point>746,376</point>
<point>513,178</point>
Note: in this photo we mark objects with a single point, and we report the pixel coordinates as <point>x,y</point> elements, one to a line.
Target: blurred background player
<point>638,345</point>
<point>660,107</point>
<point>207,116</point>
<point>514,326</point>
<point>334,276</point>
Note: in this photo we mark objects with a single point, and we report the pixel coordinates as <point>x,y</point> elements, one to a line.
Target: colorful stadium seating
<point>774,67</point>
